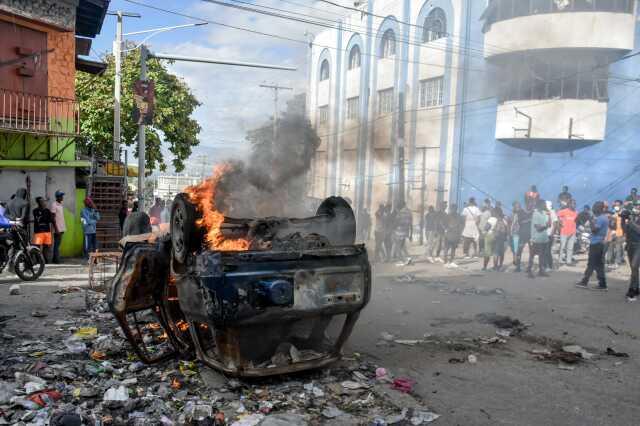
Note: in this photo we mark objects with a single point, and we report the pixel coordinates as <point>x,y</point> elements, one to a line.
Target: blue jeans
<point>90,244</point>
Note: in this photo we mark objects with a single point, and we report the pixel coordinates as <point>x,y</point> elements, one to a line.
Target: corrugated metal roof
<point>90,16</point>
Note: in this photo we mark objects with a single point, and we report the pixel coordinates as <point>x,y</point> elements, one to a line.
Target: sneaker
<point>582,284</point>
<point>439,260</point>
<point>453,265</point>
<point>599,288</point>
<point>447,265</point>
<point>430,259</point>
<point>467,257</point>
<point>631,299</point>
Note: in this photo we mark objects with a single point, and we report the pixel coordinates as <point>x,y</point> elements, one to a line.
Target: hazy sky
<point>232,101</point>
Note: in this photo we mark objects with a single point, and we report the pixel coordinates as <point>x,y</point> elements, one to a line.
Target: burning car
<point>248,297</point>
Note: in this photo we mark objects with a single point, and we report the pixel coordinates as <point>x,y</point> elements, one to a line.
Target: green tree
<point>172,122</point>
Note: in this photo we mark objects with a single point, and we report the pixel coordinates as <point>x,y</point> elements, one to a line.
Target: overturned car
<point>248,297</point>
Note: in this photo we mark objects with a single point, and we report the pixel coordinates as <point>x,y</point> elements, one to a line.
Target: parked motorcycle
<point>22,258</point>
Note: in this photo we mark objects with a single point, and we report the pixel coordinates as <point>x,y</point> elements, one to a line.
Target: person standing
<point>633,197</point>
<point>42,223</point>
<point>389,226</point>
<point>631,223</point>
<point>552,231</point>
<point>615,253</point>
<point>539,238</point>
<point>89,218</point>
<point>454,223</point>
<point>500,235</point>
<point>429,230</point>
<point>564,197</point>
<point>440,228</point>
<point>567,218</point>
<point>123,213</point>
<point>599,228</point>
<point>531,198</point>
<point>59,225</point>
<point>470,233</point>
<point>402,232</point>
<point>155,211</point>
<point>482,224</point>
<point>524,234</point>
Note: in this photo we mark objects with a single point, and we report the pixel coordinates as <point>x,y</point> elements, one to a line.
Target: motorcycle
<point>22,258</point>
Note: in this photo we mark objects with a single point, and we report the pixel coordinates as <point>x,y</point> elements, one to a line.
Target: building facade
<point>168,186</point>
<point>439,100</point>
<point>42,45</point>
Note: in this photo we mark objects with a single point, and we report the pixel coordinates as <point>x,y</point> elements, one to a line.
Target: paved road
<point>507,385</point>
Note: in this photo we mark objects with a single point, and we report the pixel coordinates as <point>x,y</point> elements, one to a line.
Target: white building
<point>168,186</point>
<point>480,80</point>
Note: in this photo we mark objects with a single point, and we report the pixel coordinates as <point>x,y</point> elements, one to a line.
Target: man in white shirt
<point>470,233</point>
<point>59,226</point>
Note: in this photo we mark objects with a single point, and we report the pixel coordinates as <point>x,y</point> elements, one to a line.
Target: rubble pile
<point>84,372</point>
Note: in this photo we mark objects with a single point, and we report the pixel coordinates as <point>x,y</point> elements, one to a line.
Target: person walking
<point>552,230</point>
<point>539,238</point>
<point>599,228</point>
<point>89,217</point>
<point>482,224</point>
<point>438,243</point>
<point>531,198</point>
<point>42,224</point>
<point>379,233</point>
<point>567,218</point>
<point>454,223</point>
<point>59,225</point>
<point>631,224</point>
<point>364,223</point>
<point>389,226</point>
<point>470,233</point>
<point>500,235</point>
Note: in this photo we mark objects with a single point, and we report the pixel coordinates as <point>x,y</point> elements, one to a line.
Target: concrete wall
<point>592,30</point>
<point>59,13</point>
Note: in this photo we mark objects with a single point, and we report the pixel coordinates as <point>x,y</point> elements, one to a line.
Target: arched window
<point>388,46</point>
<point>324,70</point>
<point>354,57</point>
<point>435,25</point>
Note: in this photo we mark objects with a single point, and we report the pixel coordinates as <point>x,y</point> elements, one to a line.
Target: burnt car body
<point>287,304</point>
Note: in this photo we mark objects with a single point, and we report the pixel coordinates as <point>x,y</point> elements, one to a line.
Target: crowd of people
<point>552,232</point>
<point>49,225</point>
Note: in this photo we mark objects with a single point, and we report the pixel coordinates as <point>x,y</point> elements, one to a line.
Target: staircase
<point>107,193</point>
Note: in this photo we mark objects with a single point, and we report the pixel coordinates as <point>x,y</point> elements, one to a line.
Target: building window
<point>507,9</point>
<point>572,77</point>
<point>352,108</point>
<point>388,46</point>
<point>323,115</point>
<point>385,101</point>
<point>324,70</point>
<point>435,25</point>
<point>354,58</point>
<point>431,92</point>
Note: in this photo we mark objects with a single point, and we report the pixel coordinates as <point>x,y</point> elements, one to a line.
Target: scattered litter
<point>75,346</point>
<point>503,333</point>
<point>502,322</point>
<point>472,359</point>
<point>491,340</point>
<point>612,330</point>
<point>331,412</point>
<point>116,394</point>
<point>387,336</point>
<point>562,366</point>
<point>613,352</point>
<point>45,398</point>
<point>403,384</point>
<point>86,333</point>
<point>351,385</point>
<point>249,420</point>
<point>578,350</point>
<point>67,290</point>
<point>381,373</point>
<point>456,360</point>
<point>15,290</point>
<point>420,417</point>
<point>38,314</point>
<point>406,278</point>
<point>407,342</point>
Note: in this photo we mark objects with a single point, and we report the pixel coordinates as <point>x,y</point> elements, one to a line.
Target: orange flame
<point>182,325</point>
<point>175,383</point>
<point>203,196</point>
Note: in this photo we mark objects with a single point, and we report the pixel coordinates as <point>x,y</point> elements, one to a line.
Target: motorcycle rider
<point>631,225</point>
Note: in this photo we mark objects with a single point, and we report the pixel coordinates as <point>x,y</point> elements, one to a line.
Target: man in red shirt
<point>567,218</point>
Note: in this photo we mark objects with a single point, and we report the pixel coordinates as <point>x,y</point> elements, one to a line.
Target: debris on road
<point>506,325</point>
<point>403,384</point>
<point>578,350</point>
<point>15,290</point>
<point>472,359</point>
<point>613,352</point>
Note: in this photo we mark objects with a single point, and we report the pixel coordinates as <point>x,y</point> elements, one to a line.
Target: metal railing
<point>25,112</point>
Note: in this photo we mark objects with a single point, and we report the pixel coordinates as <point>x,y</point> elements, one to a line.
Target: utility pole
<point>144,53</point>
<point>275,89</point>
<point>117,54</point>
<point>400,143</point>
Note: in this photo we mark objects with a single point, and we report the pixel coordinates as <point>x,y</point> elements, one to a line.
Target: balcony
<point>529,25</point>
<point>552,125</point>
<point>39,115</point>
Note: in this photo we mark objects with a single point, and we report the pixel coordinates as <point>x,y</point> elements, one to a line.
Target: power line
<point>291,39</point>
<point>350,27</point>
